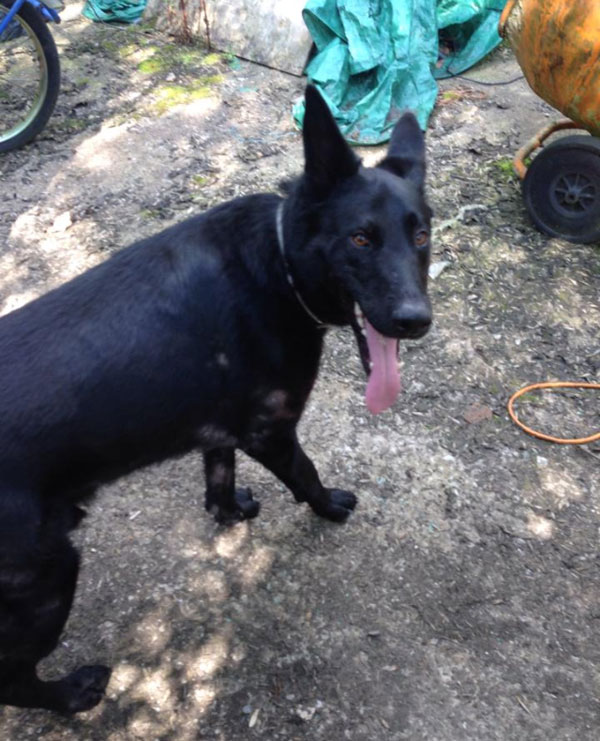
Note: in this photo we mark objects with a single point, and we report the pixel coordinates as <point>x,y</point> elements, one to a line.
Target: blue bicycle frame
<point>47,13</point>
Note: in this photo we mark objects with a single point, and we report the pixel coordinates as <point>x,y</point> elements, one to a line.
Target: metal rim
<point>573,194</point>
<point>40,96</point>
<point>561,189</point>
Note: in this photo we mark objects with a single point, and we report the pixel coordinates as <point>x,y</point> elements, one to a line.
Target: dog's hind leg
<point>282,454</point>
<point>227,503</point>
<point>38,574</point>
<point>81,690</point>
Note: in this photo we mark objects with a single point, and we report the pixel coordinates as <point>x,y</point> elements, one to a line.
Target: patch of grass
<point>495,389</point>
<point>199,180</point>
<point>214,58</point>
<point>169,96</point>
<point>531,398</point>
<point>127,50</point>
<point>126,117</point>
<point>450,95</point>
<point>150,213</point>
<point>72,125</point>
<point>110,46</point>
<point>170,57</point>
<point>194,55</point>
<point>504,167</point>
<point>152,66</point>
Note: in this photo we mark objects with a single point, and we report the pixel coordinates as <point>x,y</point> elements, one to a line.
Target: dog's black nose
<point>412,319</point>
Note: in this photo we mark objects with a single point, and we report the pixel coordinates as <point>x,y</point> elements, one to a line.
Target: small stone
<point>305,714</point>
<point>62,222</point>
<point>253,718</point>
<point>436,268</point>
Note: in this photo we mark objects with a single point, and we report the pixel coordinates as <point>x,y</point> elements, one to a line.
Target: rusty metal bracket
<point>537,141</point>
<point>508,8</point>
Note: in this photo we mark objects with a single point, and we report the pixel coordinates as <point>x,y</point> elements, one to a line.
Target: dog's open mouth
<point>379,356</point>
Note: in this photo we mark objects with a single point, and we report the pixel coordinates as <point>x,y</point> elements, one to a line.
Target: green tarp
<point>114,11</point>
<point>376,58</point>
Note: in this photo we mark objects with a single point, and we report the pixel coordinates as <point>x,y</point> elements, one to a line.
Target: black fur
<point>191,339</point>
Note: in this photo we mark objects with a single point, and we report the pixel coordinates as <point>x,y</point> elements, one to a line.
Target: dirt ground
<point>461,601</point>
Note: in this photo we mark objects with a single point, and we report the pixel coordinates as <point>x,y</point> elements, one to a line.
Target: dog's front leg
<point>282,454</point>
<point>228,504</point>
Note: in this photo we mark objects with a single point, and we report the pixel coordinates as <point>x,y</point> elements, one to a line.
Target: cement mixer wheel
<point>562,189</point>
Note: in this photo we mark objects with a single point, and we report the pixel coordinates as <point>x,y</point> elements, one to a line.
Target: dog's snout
<point>412,319</point>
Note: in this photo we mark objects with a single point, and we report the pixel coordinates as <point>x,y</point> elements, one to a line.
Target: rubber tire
<point>38,27</point>
<point>579,154</point>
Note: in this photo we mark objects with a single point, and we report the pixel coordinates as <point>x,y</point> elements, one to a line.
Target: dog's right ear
<point>328,158</point>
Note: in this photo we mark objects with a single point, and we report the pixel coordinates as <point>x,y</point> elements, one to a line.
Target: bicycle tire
<point>37,115</point>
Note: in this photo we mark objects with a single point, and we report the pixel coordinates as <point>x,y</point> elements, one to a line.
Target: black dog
<point>208,336</point>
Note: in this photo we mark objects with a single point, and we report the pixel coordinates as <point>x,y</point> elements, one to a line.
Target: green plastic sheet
<point>114,11</point>
<point>376,58</point>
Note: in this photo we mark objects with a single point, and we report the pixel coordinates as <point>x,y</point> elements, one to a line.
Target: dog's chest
<point>273,411</point>
<point>264,383</point>
<point>250,426</point>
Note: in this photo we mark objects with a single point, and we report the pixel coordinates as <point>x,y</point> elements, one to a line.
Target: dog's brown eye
<point>421,238</point>
<point>359,240</point>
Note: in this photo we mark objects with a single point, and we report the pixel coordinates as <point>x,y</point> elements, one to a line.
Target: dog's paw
<point>84,688</point>
<point>335,505</point>
<point>246,509</point>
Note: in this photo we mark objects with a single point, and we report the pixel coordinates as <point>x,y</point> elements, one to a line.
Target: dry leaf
<point>477,413</point>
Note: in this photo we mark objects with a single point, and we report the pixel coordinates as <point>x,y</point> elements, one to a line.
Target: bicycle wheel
<point>29,77</point>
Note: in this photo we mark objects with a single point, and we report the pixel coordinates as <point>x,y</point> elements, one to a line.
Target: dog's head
<point>374,234</point>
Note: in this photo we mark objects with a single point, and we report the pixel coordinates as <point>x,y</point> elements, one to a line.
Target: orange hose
<point>541,435</point>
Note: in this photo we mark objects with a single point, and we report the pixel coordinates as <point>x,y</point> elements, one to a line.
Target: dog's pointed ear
<point>406,151</point>
<point>328,158</point>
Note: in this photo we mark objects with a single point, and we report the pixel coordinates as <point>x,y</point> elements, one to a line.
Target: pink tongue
<point>384,382</point>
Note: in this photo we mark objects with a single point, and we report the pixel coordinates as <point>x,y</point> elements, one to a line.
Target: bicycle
<point>29,70</point>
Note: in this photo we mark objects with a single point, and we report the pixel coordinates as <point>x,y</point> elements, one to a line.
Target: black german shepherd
<point>207,335</point>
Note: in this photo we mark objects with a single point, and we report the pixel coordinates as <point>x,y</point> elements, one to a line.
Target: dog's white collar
<point>288,274</point>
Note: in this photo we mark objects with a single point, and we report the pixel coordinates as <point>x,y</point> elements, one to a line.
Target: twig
<point>203,9</point>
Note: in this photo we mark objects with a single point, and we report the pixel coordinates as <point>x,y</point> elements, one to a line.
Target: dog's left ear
<point>328,158</point>
<point>406,151</point>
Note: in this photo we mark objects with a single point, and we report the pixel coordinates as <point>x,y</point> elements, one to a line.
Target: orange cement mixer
<point>557,45</point>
